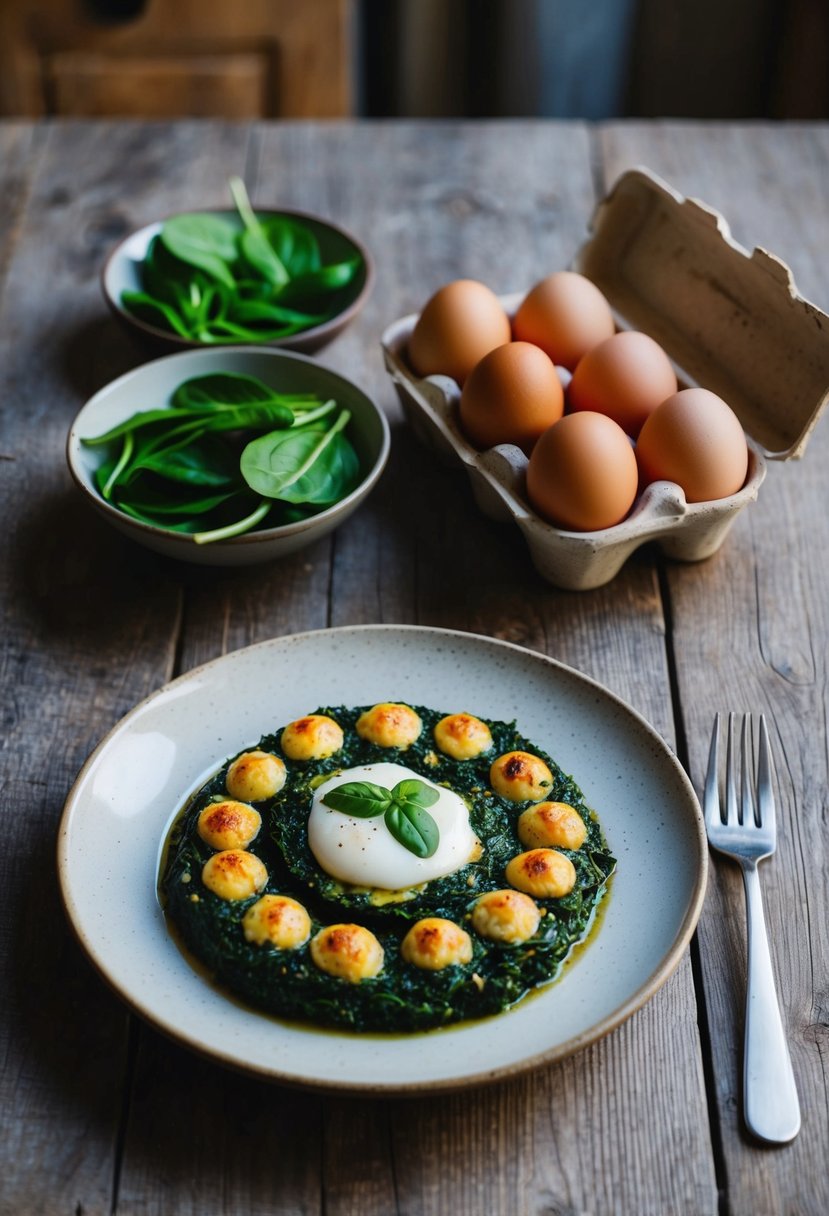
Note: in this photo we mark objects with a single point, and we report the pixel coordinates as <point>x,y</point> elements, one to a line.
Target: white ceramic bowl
<point>151,385</point>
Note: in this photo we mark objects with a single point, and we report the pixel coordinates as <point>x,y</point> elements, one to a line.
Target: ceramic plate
<point>130,789</point>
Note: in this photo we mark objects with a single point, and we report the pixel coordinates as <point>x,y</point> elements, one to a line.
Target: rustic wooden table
<point>99,1113</point>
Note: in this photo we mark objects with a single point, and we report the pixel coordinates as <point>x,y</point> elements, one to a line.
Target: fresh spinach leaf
<point>255,246</point>
<point>304,465</point>
<point>202,240</point>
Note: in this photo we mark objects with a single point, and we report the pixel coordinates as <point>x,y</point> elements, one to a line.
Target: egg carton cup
<point>669,267</point>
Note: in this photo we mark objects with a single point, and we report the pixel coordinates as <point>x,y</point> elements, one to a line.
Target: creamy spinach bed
<point>289,935</point>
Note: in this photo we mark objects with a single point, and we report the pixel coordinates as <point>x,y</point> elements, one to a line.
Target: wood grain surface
<point>98,1113</point>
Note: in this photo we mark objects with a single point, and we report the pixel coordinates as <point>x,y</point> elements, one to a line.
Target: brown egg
<point>566,315</point>
<point>582,474</point>
<point>512,396</point>
<point>695,440</point>
<point>461,323</point>
<point>626,377</point>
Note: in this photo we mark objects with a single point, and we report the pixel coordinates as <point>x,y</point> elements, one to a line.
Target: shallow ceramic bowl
<point>152,384</point>
<point>122,273</point>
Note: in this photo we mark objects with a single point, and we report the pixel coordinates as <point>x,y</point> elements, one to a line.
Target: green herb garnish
<point>403,809</point>
<point>206,279</point>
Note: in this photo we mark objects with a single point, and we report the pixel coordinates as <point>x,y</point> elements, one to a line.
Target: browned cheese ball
<point>314,737</point>
<point>389,725</point>
<point>551,824</point>
<point>506,916</point>
<point>255,776</point>
<point>234,874</point>
<point>520,777</point>
<point>434,943</point>
<point>349,952</point>
<point>279,920</point>
<point>229,824</point>
<point>462,736</point>
<point>544,873</point>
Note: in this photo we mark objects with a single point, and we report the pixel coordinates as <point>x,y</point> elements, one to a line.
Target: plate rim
<point>658,977</point>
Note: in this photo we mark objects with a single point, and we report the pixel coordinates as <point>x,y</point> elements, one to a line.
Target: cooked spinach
<point>265,455</point>
<point>208,279</point>
<point>402,997</point>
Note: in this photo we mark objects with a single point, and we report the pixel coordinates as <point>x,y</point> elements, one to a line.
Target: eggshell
<point>460,324</point>
<point>626,377</point>
<point>582,473</point>
<point>695,440</point>
<point>566,315</point>
<point>512,396</point>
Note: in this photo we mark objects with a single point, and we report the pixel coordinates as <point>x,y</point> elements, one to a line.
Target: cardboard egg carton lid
<point>732,321</point>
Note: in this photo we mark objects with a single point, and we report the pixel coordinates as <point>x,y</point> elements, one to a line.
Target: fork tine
<point>730,786</point>
<point>747,772</point>
<point>766,811</point>
<point>711,794</point>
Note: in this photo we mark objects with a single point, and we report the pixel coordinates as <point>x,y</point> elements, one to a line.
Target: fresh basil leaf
<point>362,799</point>
<point>416,792</point>
<point>202,240</point>
<point>414,828</point>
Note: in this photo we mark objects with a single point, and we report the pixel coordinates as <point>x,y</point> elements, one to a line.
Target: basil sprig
<point>403,809</point>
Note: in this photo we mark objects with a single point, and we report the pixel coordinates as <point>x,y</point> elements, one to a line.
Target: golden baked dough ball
<point>434,943</point>
<point>255,775</point>
<point>505,916</point>
<point>544,873</point>
<point>229,824</point>
<point>314,737</point>
<point>552,824</point>
<point>234,874</point>
<point>277,919</point>
<point>389,725</point>
<point>520,777</point>
<point>349,952</point>
<point>462,736</point>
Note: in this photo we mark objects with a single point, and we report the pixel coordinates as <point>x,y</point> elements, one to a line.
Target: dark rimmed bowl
<point>121,273</point>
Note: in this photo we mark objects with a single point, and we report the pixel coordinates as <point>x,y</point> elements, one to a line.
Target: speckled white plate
<point>118,812</point>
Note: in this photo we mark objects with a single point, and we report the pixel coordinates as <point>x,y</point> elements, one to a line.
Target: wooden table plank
<point>749,633</point>
<point>435,202</point>
<point>90,629</point>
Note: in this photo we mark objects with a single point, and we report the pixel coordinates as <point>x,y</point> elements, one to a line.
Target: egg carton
<point>731,321</point>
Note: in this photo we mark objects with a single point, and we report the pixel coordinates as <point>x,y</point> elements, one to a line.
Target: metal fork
<point>748,833</point>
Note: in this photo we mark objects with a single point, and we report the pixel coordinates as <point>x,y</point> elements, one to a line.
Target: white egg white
<point>363,852</point>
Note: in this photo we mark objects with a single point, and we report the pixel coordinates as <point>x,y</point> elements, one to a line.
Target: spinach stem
<point>123,461</point>
<point>241,525</point>
<point>240,198</point>
<point>305,416</point>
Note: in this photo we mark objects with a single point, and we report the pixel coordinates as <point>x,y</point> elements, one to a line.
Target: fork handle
<point>770,1105</point>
